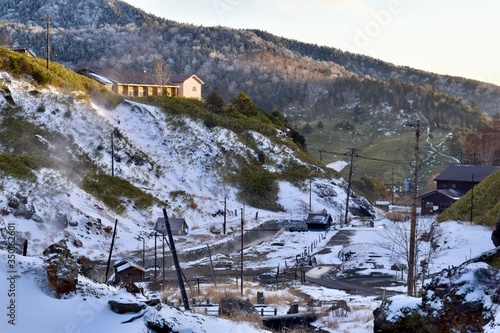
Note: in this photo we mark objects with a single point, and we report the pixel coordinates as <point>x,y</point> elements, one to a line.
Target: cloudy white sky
<point>456,37</point>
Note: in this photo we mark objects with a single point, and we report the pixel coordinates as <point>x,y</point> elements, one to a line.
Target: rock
<point>131,287</point>
<point>159,326</point>
<point>495,235</point>
<point>121,307</point>
<point>62,270</point>
<point>61,220</point>
<point>77,242</point>
<point>233,306</point>
<point>29,211</point>
<point>460,299</point>
<point>13,202</point>
<point>387,321</point>
<point>73,223</point>
<point>21,209</point>
<point>37,218</point>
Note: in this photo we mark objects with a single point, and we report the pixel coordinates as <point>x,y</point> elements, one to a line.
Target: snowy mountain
<point>177,165</point>
<point>314,80</point>
<point>177,160</point>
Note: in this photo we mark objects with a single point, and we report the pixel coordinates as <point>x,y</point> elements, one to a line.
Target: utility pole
<point>241,273</point>
<point>472,200</point>
<point>112,155</point>
<point>225,213</point>
<point>413,226</point>
<point>48,42</point>
<point>310,190</point>
<point>392,186</point>
<point>353,150</point>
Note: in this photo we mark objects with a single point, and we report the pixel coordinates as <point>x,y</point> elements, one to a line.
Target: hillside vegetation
<point>38,147</point>
<point>483,203</point>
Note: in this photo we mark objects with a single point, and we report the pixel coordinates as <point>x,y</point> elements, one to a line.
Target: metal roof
<point>176,225</point>
<point>448,192</point>
<point>136,77</point>
<point>466,173</point>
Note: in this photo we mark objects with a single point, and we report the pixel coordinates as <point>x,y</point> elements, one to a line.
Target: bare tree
<point>6,40</point>
<point>397,240</point>
<point>161,71</point>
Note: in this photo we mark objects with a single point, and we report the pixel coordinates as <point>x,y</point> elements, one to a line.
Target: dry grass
<point>247,317</point>
<point>398,216</point>
<point>361,315</point>
<point>282,298</point>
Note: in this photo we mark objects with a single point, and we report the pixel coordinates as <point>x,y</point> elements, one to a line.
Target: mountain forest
<point>338,101</point>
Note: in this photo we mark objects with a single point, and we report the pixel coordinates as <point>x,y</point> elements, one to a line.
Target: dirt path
<point>364,285</point>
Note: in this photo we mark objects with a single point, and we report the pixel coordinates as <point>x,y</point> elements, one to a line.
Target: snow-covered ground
<point>37,310</point>
<point>181,155</point>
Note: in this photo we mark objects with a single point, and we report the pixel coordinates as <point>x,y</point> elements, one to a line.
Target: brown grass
<point>398,216</point>
<point>279,299</point>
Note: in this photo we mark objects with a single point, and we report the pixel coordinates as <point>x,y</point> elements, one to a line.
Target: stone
<point>62,270</point>
<point>495,235</point>
<point>61,220</point>
<point>29,211</point>
<point>159,326</point>
<point>21,209</point>
<point>459,299</point>
<point>13,202</point>
<point>37,218</point>
<point>233,306</point>
<point>123,307</point>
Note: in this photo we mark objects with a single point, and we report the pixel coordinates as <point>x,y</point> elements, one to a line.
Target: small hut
<point>128,270</point>
<point>178,226</point>
<point>319,221</point>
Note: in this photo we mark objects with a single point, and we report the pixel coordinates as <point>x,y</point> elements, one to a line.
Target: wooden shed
<point>178,226</point>
<point>128,270</point>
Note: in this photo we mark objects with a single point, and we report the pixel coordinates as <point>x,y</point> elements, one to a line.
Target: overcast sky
<point>456,37</point>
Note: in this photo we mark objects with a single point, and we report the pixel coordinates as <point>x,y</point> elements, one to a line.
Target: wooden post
<point>110,252</point>
<point>242,222</point>
<point>212,265</point>
<point>25,248</point>
<point>225,213</point>
<point>176,261</point>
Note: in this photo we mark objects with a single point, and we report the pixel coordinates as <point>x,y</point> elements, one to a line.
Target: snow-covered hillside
<point>157,152</point>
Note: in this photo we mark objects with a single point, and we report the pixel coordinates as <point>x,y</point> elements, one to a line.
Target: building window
<point>194,88</point>
<point>131,93</point>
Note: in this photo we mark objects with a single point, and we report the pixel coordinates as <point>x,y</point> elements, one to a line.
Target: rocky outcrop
<point>126,307</point>
<point>495,235</point>
<point>62,270</point>
<point>461,299</point>
<point>233,306</point>
<point>19,207</point>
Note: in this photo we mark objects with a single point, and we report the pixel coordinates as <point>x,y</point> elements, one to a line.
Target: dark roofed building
<point>463,177</point>
<point>452,184</point>
<point>25,51</point>
<point>178,226</point>
<point>127,270</point>
<point>319,221</point>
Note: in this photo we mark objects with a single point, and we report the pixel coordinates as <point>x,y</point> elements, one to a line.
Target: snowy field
<point>33,307</point>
